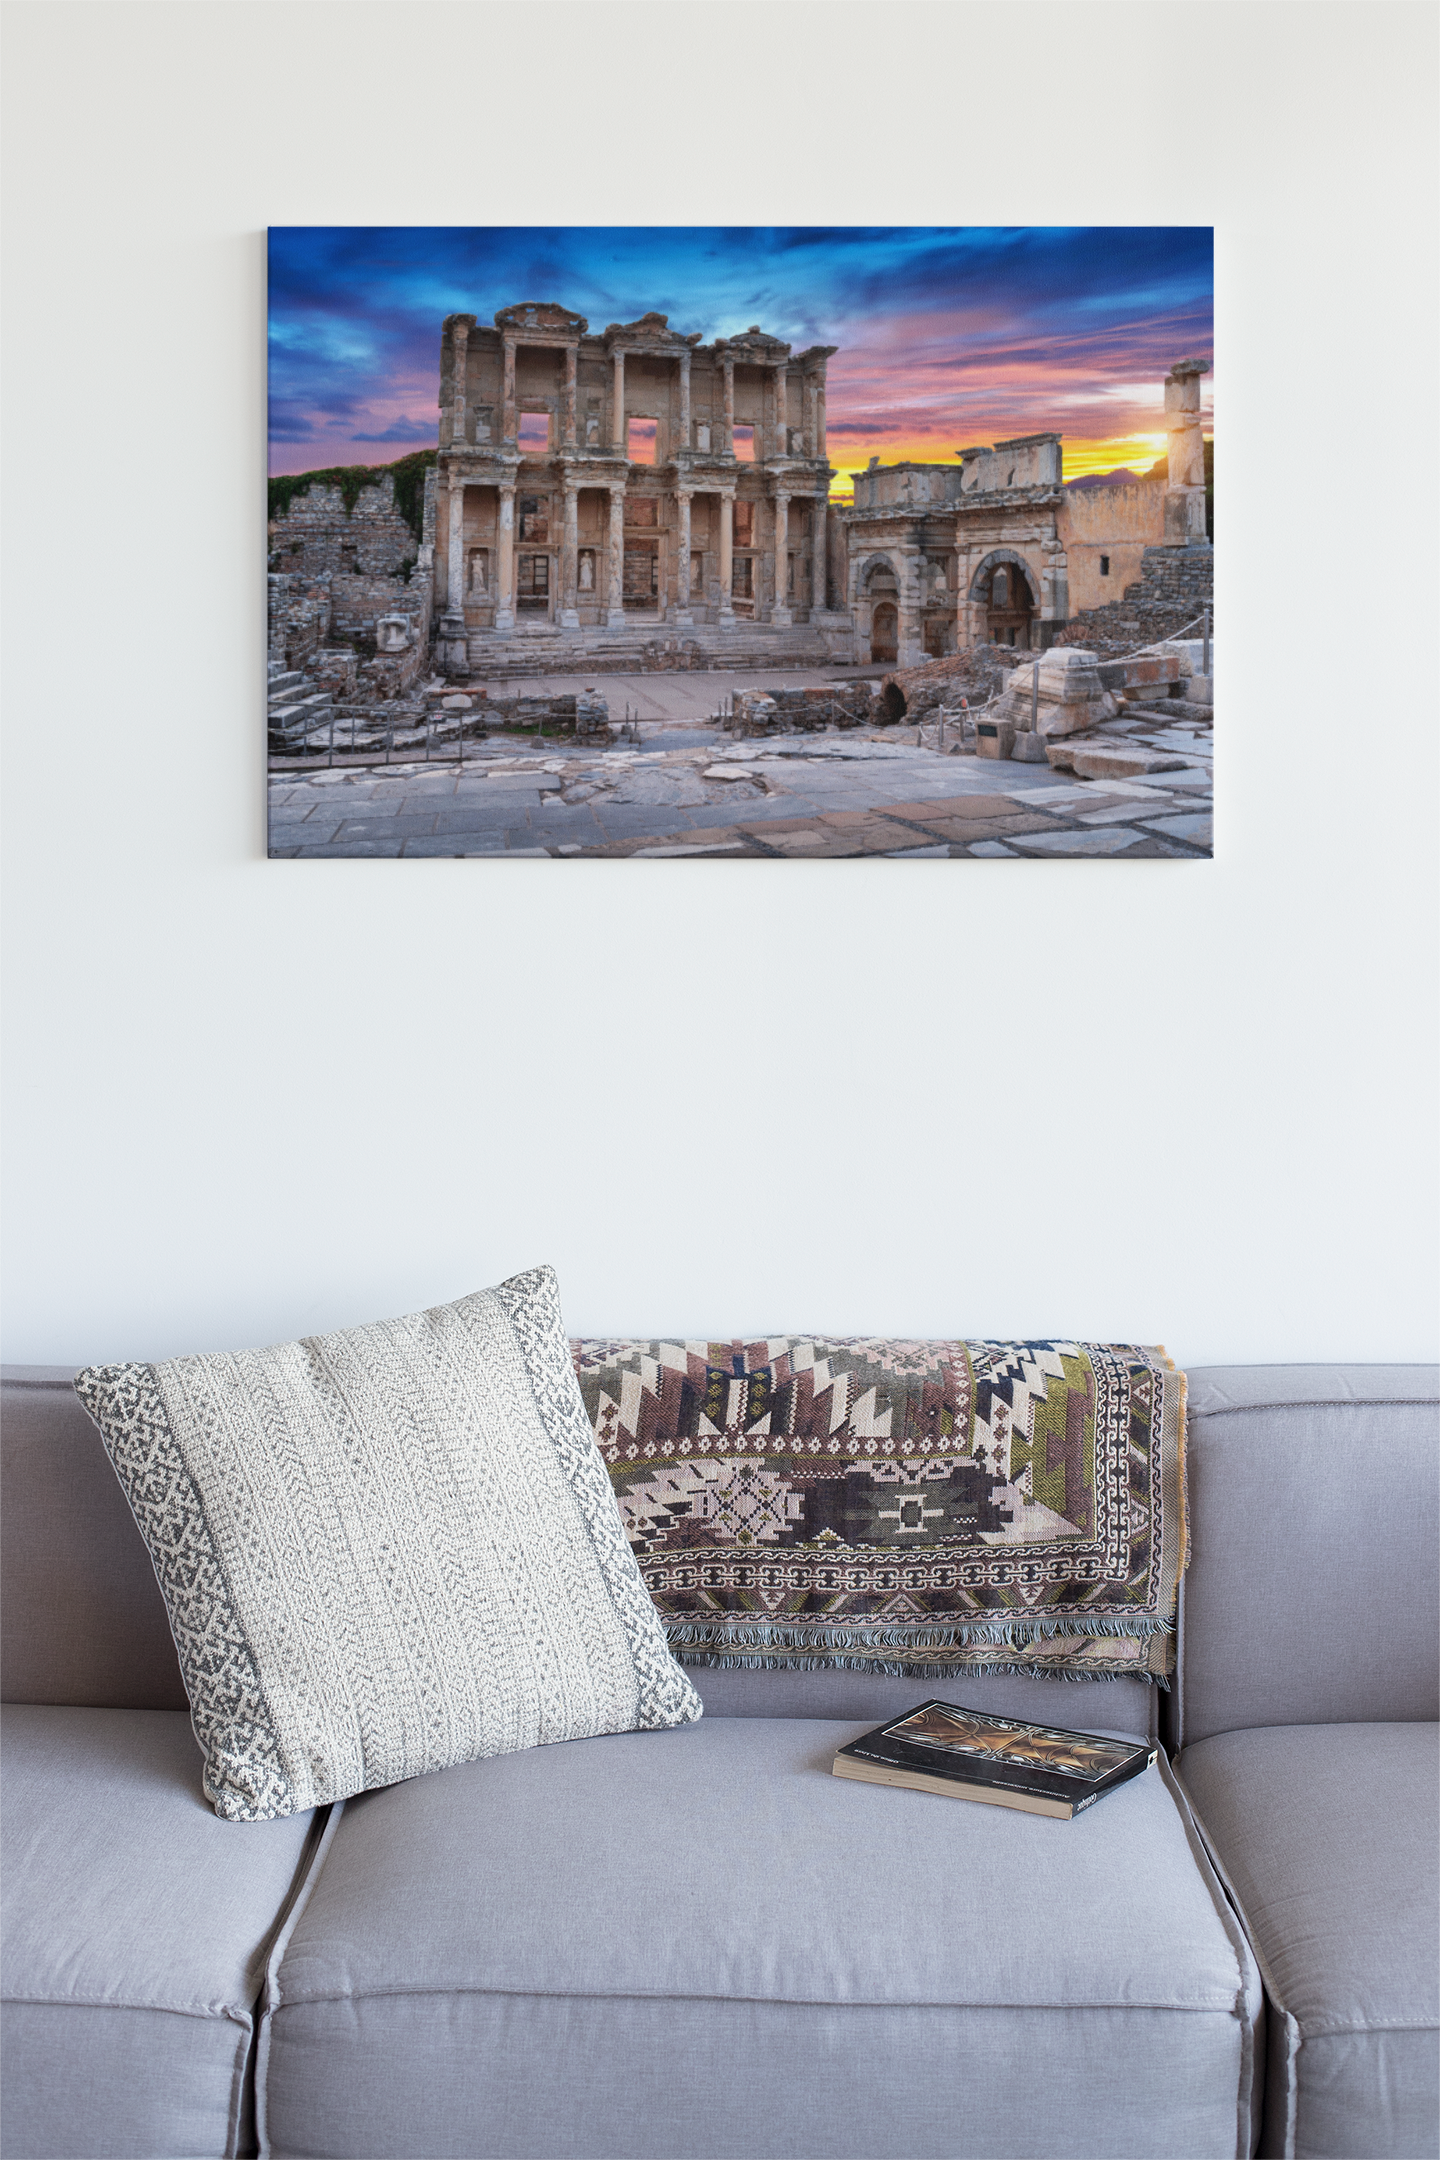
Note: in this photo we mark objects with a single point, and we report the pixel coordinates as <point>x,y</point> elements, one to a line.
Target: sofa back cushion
<point>1310,1598</point>
<point>82,1620</point>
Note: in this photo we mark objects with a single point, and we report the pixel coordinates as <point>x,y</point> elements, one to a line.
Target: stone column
<point>682,542</point>
<point>567,425</point>
<point>1185,490</point>
<point>820,450</point>
<point>781,612</point>
<point>508,423</point>
<point>618,436</point>
<point>460,344</point>
<point>819,553</point>
<point>909,643</point>
<point>727,424</point>
<point>782,409</point>
<point>1054,590</point>
<point>455,542</point>
<point>570,559</point>
<point>727,551</point>
<point>615,582</point>
<point>683,430</point>
<point>505,564</point>
<point>812,416</point>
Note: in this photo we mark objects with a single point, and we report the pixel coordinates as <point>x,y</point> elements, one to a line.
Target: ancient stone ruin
<point>635,498</point>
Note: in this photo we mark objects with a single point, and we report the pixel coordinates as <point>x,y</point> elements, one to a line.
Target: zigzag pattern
<point>864,1502</point>
<point>244,1776</point>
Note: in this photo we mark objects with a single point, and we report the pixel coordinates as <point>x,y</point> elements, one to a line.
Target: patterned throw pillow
<point>387,1550</point>
<point>937,1509</point>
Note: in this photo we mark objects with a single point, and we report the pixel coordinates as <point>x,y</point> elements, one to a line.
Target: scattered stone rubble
<point>783,712</point>
<point>312,716</point>
<point>1174,587</point>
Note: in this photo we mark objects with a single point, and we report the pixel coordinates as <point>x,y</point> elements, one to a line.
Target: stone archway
<point>1004,587</point>
<point>877,590</point>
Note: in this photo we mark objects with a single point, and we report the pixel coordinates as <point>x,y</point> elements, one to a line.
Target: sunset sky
<point>948,336</point>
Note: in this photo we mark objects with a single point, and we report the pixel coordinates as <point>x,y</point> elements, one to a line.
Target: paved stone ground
<point>688,790</point>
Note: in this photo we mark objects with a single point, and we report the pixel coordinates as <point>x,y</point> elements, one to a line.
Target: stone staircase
<point>296,707</point>
<point>641,647</point>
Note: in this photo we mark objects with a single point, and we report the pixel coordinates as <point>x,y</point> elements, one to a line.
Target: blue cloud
<point>403,431</point>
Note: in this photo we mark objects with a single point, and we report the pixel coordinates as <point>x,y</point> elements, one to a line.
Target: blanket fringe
<point>899,1669</point>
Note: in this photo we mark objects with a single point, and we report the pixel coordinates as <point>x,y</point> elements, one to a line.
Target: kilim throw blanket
<point>925,1508</point>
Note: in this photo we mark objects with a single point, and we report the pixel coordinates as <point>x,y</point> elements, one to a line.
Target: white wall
<point>1170,1101</point>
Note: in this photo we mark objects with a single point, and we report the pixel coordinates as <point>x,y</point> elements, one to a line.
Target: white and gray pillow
<point>387,1550</point>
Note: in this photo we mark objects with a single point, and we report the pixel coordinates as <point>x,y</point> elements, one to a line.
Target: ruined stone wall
<point>1115,524</point>
<point>358,602</point>
<point>299,618</point>
<point>784,712</point>
<point>1174,585</point>
<point>307,616</point>
<point>884,486</point>
<point>1027,461</point>
<point>317,534</point>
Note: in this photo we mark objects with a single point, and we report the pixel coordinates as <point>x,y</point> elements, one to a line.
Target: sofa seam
<point>243,2018</point>
<point>1222,2007</point>
<point>270,1997</point>
<point>1335,2032</point>
<point>1228,1911</point>
<point>1336,1402</point>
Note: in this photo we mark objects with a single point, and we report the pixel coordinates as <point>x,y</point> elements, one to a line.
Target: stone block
<point>1143,671</point>
<point>755,713</point>
<point>1112,761</point>
<point>1063,694</point>
<point>1028,748</point>
<point>994,738</point>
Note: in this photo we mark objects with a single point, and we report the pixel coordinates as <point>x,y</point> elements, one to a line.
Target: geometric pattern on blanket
<point>925,1508</point>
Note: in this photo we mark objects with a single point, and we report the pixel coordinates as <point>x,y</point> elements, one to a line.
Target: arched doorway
<point>1004,596</point>
<point>1009,611</point>
<point>878,588</point>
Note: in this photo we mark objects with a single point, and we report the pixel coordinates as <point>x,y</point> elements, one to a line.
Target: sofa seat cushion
<point>700,1942</point>
<point>1328,1834</point>
<point>136,1926</point>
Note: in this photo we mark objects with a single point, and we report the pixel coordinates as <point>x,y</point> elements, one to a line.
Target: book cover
<point>1008,1762</point>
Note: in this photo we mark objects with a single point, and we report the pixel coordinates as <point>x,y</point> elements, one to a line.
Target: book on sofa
<point>969,1755</point>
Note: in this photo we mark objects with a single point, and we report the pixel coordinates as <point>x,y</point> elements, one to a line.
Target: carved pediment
<point>541,315</point>
<point>753,344</point>
<point>652,332</point>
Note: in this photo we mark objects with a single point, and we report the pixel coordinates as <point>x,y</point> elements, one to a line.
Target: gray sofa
<point>697,1942</point>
